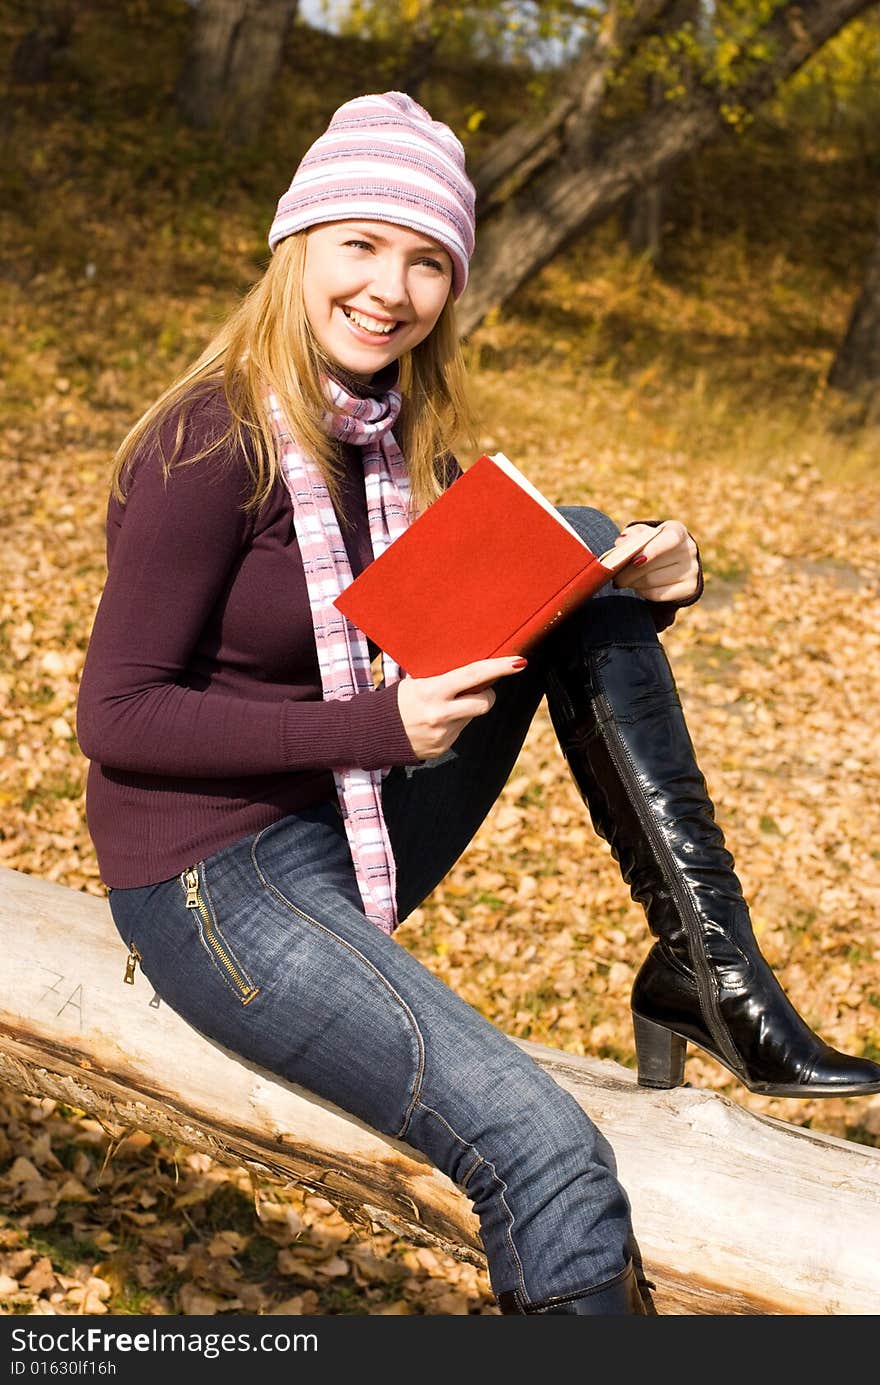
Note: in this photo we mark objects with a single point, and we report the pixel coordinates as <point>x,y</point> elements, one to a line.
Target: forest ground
<point>694,389</point>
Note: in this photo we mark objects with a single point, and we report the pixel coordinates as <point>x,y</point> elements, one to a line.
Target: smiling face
<point>372,291</point>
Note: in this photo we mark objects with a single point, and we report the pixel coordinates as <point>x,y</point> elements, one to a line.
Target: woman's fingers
<point>667,569</point>
<point>436,710</point>
<point>649,531</point>
<point>477,675</point>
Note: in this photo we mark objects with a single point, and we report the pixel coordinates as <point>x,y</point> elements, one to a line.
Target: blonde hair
<point>267,343</point>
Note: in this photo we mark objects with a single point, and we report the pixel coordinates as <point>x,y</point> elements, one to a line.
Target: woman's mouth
<point>368,328</point>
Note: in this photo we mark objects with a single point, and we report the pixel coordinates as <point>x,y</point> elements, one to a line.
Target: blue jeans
<point>275,960</point>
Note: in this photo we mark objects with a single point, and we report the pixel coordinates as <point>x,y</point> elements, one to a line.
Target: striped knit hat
<point>382,158</point>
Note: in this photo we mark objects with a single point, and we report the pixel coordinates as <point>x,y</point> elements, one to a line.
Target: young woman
<point>264,814</point>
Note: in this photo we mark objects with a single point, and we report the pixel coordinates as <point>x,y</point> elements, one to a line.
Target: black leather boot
<point>617,1298</point>
<point>615,709</point>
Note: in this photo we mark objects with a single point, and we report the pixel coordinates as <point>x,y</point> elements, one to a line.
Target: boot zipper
<point>189,880</point>
<point>131,962</point>
<point>620,756</point>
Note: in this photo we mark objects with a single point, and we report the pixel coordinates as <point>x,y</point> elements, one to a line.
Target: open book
<point>488,569</point>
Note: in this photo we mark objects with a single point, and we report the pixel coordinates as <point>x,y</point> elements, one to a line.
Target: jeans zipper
<point>191,884</point>
<point>131,962</point>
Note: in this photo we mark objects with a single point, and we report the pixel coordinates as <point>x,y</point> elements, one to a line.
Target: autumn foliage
<point>695,391</point>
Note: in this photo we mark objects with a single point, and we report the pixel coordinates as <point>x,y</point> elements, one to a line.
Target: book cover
<point>488,569</point>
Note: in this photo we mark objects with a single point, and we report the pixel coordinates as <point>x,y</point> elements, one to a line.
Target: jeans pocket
<point>200,908</point>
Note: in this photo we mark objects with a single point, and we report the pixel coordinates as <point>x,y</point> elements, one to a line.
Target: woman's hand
<point>667,569</point>
<point>435,711</point>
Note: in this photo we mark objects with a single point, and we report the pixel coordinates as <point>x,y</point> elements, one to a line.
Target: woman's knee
<point>596,529</point>
<point>513,1118</point>
<point>542,1180</point>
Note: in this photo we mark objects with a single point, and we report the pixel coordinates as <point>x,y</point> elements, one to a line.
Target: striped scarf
<point>343,652</point>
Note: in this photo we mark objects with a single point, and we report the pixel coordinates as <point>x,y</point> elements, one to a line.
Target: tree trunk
<point>645,209</point>
<point>856,367</point>
<point>567,187</point>
<point>424,35</point>
<point>234,56</point>
<point>644,219</point>
<point>35,54</point>
<point>734,1213</point>
<point>523,150</point>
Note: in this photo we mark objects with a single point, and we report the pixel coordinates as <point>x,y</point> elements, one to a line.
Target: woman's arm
<point>140,708</point>
<point>668,572</point>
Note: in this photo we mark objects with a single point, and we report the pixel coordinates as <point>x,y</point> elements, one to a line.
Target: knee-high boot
<point>616,713</point>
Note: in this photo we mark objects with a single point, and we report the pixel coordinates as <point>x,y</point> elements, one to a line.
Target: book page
<point>516,475</point>
<point>621,554</point>
<point>615,558</point>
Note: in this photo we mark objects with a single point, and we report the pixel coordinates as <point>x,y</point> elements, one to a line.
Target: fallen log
<point>734,1213</point>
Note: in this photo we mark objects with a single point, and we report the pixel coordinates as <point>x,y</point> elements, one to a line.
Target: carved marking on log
<point>74,998</point>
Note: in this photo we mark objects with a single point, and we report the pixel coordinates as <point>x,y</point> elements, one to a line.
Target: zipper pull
<point>131,962</point>
<point>191,885</point>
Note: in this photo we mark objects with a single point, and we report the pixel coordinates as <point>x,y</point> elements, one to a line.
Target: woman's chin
<point>362,361</point>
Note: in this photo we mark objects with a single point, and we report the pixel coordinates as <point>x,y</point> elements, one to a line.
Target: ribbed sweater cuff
<point>363,732</point>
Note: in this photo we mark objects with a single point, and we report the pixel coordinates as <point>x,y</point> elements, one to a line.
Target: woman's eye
<point>433,264</point>
<point>359,244</point>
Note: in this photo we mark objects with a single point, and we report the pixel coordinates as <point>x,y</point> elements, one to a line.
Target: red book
<point>486,570</point>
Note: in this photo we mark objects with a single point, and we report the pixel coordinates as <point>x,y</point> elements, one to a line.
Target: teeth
<point>370,324</point>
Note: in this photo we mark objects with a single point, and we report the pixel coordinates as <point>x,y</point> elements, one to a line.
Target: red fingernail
<point>637,562</point>
<point>519,663</point>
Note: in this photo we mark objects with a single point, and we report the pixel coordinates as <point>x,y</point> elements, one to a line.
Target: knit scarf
<point>343,652</point>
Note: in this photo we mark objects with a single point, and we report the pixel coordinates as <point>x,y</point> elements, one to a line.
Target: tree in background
<point>839,97</point>
<point>856,367</point>
<point>234,56</point>
<point>545,182</point>
<point>419,34</point>
<point>46,37</point>
<point>643,211</point>
<point>572,110</point>
<point>628,87</point>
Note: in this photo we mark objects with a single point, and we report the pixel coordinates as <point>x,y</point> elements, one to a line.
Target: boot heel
<point>660,1054</point>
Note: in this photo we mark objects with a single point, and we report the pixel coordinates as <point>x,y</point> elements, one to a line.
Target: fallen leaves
<point>142,1227</point>
<point>778,668</point>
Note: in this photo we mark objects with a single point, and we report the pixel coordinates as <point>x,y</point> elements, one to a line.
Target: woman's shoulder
<point>190,455</point>
<point>199,422</point>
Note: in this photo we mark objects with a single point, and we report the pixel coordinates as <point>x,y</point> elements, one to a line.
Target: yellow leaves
<point>399,1308</point>
<point>297,1306</point>
<point>90,1297</point>
<point>72,1190</point>
<point>226,1244</point>
<point>778,668</point>
<point>23,1171</point>
<point>41,1277</point>
<point>210,1244</point>
<point>196,1302</point>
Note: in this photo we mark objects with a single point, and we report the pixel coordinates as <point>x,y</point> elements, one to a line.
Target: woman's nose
<point>389,281</point>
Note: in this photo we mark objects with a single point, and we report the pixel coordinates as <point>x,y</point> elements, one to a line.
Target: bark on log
<point>734,1213</point>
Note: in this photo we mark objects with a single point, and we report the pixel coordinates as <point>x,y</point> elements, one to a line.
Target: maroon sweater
<point>201,705</point>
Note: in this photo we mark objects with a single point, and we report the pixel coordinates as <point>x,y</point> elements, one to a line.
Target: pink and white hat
<point>382,158</point>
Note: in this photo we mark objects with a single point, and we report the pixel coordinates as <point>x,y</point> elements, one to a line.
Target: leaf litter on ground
<point>778,669</point>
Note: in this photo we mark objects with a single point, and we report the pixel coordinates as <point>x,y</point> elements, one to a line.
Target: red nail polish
<point>637,562</point>
<point>519,663</point>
